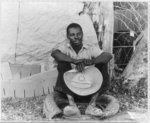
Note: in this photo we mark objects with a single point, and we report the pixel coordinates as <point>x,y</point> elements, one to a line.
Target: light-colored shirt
<point>88,51</point>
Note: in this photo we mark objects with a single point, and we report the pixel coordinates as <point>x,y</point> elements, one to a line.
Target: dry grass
<point>22,109</point>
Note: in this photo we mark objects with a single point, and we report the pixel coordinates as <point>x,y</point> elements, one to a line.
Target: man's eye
<point>71,34</point>
<point>79,34</point>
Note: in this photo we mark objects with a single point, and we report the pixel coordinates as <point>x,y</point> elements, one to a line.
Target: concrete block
<point>20,71</point>
<point>5,71</point>
<point>7,86</point>
<point>36,85</point>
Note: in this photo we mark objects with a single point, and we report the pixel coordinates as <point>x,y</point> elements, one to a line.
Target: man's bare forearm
<point>103,58</point>
<point>60,57</point>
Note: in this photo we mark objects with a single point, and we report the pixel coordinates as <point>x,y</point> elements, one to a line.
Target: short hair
<point>73,25</point>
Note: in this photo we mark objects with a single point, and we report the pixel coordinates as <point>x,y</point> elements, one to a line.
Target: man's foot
<point>71,110</point>
<point>94,111</point>
<point>59,115</point>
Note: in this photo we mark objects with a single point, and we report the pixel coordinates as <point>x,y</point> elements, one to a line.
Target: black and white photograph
<point>74,60</point>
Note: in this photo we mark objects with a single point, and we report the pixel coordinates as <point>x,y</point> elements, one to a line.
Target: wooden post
<point>107,11</point>
<point>102,16</point>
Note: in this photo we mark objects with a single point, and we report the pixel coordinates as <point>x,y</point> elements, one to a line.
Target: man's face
<point>75,36</point>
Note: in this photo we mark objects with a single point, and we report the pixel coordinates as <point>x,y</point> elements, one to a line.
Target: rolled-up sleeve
<point>60,46</point>
<point>96,51</point>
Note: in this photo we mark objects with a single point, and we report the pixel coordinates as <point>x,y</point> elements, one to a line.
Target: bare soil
<point>31,109</point>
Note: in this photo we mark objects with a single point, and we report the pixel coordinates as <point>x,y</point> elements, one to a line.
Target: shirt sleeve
<point>60,46</point>
<point>96,51</point>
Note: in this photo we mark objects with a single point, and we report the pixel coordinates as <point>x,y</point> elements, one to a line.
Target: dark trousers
<point>61,89</point>
<point>65,66</point>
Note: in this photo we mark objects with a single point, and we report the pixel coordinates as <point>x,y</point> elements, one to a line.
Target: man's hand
<point>80,67</point>
<point>81,63</point>
<point>77,61</point>
<point>88,62</point>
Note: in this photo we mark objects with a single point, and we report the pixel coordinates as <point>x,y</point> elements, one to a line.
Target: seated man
<point>75,53</point>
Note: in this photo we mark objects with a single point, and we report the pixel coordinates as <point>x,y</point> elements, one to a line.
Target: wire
<point>18,29</point>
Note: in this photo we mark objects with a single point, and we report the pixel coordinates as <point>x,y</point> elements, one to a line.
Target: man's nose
<point>76,36</point>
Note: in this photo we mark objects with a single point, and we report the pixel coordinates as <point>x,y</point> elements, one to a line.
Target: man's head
<point>75,34</point>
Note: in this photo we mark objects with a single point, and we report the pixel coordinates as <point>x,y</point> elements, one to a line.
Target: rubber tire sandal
<point>94,111</point>
<point>71,110</point>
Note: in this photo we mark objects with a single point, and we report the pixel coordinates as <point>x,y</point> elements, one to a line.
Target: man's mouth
<point>77,42</point>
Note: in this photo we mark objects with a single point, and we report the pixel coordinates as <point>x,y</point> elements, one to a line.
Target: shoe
<point>71,110</point>
<point>94,111</point>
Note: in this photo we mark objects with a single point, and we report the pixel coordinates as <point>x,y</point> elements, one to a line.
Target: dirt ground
<point>30,109</point>
<point>133,105</point>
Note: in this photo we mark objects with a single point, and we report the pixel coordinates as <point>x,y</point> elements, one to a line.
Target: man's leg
<point>92,109</point>
<point>62,67</point>
<point>61,87</point>
<point>104,70</point>
<point>60,99</point>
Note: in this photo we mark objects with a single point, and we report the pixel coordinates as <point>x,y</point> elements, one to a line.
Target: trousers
<point>61,87</point>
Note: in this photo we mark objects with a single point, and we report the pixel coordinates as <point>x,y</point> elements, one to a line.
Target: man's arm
<point>59,56</point>
<point>105,57</point>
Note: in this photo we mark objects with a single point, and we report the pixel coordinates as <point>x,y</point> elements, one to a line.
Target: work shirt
<point>88,51</point>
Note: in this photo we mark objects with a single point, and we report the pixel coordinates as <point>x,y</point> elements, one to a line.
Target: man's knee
<point>103,67</point>
<point>63,66</point>
<point>104,70</point>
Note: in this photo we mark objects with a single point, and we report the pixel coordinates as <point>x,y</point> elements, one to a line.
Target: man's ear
<point>67,35</point>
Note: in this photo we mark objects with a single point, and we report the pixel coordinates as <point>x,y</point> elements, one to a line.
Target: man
<point>75,53</point>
